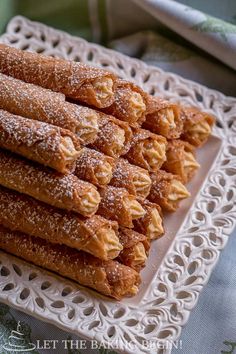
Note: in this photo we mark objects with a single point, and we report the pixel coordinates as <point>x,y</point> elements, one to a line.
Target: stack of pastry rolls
<point>84,185</point>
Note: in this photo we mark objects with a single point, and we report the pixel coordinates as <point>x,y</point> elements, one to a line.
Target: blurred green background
<point>69,15</point>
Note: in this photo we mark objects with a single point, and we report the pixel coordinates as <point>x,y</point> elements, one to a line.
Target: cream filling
<point>103,173</point>
<point>137,105</point>
<point>68,149</point>
<point>142,183</point>
<point>134,207</point>
<point>90,201</point>
<point>190,163</point>
<point>139,254</point>
<point>154,153</point>
<point>103,87</point>
<point>119,140</point>
<point>155,227</point>
<point>133,291</point>
<point>168,118</point>
<point>200,130</point>
<point>110,242</point>
<point>88,128</point>
<point>178,191</point>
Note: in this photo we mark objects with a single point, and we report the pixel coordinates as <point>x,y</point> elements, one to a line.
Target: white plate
<point>181,262</point>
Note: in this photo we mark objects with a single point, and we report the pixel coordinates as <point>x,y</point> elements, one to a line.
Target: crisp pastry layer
<point>34,102</point>
<point>147,150</point>
<point>135,248</point>
<point>94,167</point>
<point>107,277</point>
<point>49,145</point>
<point>167,190</point>
<point>114,136</point>
<point>151,224</point>
<point>62,191</point>
<point>129,104</point>
<point>163,118</point>
<point>197,125</point>
<point>180,160</point>
<point>117,204</point>
<point>134,179</point>
<point>78,81</point>
<point>94,235</point>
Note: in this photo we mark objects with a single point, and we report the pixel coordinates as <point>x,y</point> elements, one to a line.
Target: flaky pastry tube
<point>107,277</point>
<point>35,102</point>
<point>63,191</point>
<point>117,204</point>
<point>197,125</point>
<point>95,235</point>
<point>147,150</point>
<point>94,167</point>
<point>163,118</point>
<point>129,104</point>
<point>49,145</point>
<point>134,179</point>
<point>167,190</point>
<point>151,224</point>
<point>180,160</point>
<point>114,136</point>
<point>135,248</point>
<point>78,81</point>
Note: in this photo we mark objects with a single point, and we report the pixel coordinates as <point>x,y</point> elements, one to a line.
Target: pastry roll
<point>114,136</point>
<point>180,160</point>
<point>35,102</point>
<point>117,204</point>
<point>135,248</point>
<point>107,277</point>
<point>129,104</point>
<point>95,235</point>
<point>163,118</point>
<point>49,145</point>
<point>197,125</point>
<point>151,224</point>
<point>134,179</point>
<point>147,150</point>
<point>78,81</point>
<point>94,167</point>
<point>63,191</point>
<point>167,190</point>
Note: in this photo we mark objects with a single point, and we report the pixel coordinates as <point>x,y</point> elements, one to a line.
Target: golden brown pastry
<point>107,277</point>
<point>129,104</point>
<point>94,167</point>
<point>94,235</point>
<point>134,179</point>
<point>163,118</point>
<point>197,125</point>
<point>180,160</point>
<point>167,190</point>
<point>151,224</point>
<point>78,81</point>
<point>147,150</point>
<point>49,145</point>
<point>117,204</point>
<point>35,102</point>
<point>62,191</point>
<point>135,248</point>
<point>114,136</point>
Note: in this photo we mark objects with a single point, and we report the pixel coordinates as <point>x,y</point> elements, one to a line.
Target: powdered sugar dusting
<point>41,220</point>
<point>62,191</point>
<point>88,162</point>
<point>37,103</point>
<point>35,140</point>
<point>56,74</point>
